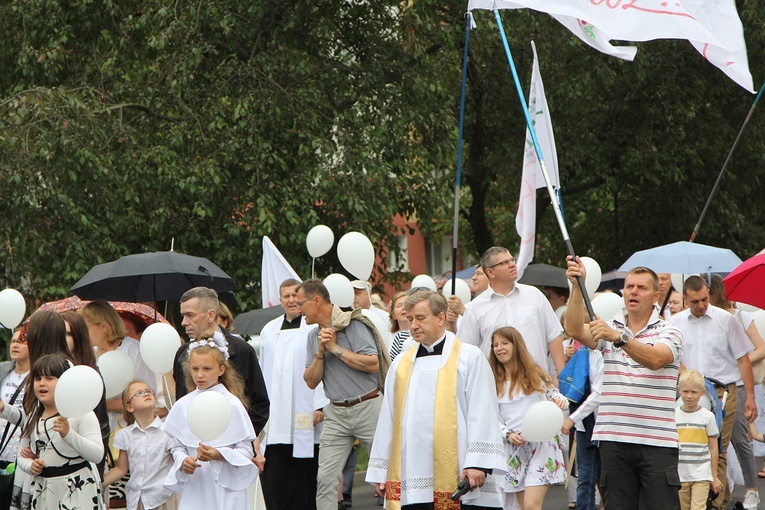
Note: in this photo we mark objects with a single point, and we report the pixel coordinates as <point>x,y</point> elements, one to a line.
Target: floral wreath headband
<point>218,341</point>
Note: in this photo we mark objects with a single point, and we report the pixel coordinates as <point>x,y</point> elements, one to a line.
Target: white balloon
<point>607,304</point>
<point>340,289</point>
<point>461,289</point>
<point>12,308</point>
<point>159,343</point>
<point>356,254</point>
<point>78,391</point>
<point>379,323</point>
<point>319,240</point>
<point>592,282</point>
<point>425,281</point>
<point>209,415</point>
<point>117,369</point>
<point>543,421</point>
<point>561,310</point>
<point>677,281</point>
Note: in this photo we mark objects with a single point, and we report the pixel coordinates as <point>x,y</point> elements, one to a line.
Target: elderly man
<point>199,309</point>
<point>715,344</point>
<point>343,354</point>
<point>635,423</point>
<point>292,439</point>
<point>439,422</point>
<point>508,303</point>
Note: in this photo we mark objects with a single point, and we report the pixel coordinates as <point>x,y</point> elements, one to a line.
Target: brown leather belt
<point>357,400</point>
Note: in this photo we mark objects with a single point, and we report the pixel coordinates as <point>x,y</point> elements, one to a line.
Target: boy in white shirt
<point>697,432</point>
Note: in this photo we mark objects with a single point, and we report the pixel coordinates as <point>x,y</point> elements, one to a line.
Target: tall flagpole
<point>543,167</point>
<point>455,228</point>
<point>725,165</point>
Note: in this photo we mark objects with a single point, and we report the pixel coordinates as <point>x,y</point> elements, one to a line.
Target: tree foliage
<point>126,125</point>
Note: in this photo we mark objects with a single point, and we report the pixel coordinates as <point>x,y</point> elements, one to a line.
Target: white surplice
<point>216,484</point>
<point>479,439</point>
<point>282,359</point>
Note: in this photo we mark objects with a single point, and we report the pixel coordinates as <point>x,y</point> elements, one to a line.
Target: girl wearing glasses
<point>64,451</point>
<point>144,449</point>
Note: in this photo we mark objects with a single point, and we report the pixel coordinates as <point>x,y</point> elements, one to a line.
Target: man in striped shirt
<point>635,425</point>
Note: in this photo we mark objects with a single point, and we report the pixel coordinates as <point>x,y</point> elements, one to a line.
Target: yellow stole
<point>445,458</point>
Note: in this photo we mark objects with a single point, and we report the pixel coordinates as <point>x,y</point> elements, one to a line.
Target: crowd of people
<point>438,401</point>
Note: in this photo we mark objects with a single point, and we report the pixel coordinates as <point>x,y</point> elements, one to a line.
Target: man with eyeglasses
<point>508,303</point>
<point>296,414</point>
<point>344,354</point>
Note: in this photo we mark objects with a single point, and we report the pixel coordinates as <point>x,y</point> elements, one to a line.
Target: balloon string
<point>168,397</point>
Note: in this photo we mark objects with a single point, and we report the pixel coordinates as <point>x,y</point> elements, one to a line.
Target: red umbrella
<point>747,282</point>
<point>146,313</point>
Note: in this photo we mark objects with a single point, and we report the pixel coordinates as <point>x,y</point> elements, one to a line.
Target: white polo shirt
<point>525,308</point>
<point>713,343</point>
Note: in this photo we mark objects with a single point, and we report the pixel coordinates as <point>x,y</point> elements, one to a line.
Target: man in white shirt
<point>438,424</point>
<point>716,345</point>
<point>508,303</point>
<point>296,413</point>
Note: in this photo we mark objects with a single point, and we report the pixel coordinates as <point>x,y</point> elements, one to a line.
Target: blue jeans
<point>588,470</point>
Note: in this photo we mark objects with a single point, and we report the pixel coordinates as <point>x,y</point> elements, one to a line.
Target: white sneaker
<point>751,500</point>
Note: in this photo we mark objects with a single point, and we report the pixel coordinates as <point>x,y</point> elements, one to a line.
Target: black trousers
<point>289,483</point>
<point>639,477</point>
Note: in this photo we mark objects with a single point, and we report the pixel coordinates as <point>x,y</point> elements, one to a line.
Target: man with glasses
<point>508,303</point>
<point>341,353</point>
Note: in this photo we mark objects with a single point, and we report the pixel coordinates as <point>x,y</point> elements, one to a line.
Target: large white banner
<point>712,26</point>
<point>274,270</point>
<point>532,178</point>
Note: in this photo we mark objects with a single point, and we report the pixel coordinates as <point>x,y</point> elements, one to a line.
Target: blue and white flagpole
<point>455,228</point>
<point>543,167</point>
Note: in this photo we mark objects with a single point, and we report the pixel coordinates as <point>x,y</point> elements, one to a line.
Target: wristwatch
<point>339,352</point>
<point>623,339</point>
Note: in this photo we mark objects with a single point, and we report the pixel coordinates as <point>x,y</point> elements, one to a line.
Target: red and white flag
<point>274,270</point>
<point>532,178</point>
<point>712,26</point>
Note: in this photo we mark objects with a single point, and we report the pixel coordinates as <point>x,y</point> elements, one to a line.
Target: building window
<point>438,255</point>
<point>399,262</point>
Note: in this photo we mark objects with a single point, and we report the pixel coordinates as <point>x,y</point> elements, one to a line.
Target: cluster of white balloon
<point>357,255</point>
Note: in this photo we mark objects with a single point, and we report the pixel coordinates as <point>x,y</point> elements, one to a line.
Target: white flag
<point>712,26</point>
<point>274,270</point>
<point>532,178</point>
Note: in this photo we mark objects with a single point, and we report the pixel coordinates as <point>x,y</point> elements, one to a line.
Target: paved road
<point>363,494</point>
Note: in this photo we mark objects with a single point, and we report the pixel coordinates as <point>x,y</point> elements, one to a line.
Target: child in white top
<point>64,450</point>
<point>144,450</point>
<point>216,474</point>
<point>697,432</point>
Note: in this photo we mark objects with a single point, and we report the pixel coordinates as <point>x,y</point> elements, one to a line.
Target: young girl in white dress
<point>144,450</point>
<point>218,473</point>
<point>520,383</point>
<point>65,450</point>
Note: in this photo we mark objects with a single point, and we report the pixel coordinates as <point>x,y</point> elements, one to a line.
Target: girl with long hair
<point>520,383</point>
<point>64,450</point>
<point>217,473</point>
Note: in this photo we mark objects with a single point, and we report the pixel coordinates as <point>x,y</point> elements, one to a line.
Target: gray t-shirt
<point>340,380</point>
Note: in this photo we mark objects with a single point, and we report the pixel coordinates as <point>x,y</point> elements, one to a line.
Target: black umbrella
<point>158,276</point>
<point>252,322</point>
<point>544,274</point>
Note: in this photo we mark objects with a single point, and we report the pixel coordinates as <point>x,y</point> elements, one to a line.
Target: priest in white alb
<point>291,442</point>
<point>438,423</point>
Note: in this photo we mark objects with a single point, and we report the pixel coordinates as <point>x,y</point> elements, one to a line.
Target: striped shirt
<point>637,405</point>
<point>694,430</point>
